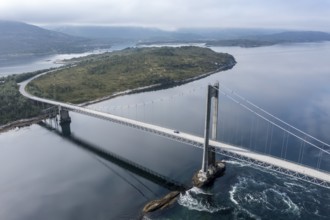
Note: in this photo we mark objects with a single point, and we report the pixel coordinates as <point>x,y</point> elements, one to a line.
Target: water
<point>33,63</point>
<point>46,176</point>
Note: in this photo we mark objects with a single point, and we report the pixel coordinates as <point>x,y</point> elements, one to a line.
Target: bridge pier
<point>211,169</point>
<point>65,121</point>
<point>211,150</point>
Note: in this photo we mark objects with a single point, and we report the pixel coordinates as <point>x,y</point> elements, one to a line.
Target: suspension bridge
<point>266,160</point>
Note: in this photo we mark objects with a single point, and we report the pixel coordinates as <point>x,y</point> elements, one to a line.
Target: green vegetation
<point>102,75</point>
<point>13,106</point>
<point>18,78</point>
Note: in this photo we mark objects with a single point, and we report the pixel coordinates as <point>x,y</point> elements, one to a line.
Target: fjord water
<point>46,176</point>
<point>24,64</point>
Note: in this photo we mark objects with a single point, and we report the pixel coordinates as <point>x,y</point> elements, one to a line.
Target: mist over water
<point>45,176</point>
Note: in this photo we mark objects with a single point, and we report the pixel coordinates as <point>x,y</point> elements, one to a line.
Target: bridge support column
<point>211,150</point>
<point>210,168</point>
<point>65,121</point>
<point>205,162</point>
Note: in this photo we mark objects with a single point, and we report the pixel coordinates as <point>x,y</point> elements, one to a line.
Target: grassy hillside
<point>102,75</point>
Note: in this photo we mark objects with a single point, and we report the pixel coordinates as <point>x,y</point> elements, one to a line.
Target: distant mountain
<point>124,34</point>
<point>140,34</point>
<point>244,37</point>
<point>18,38</point>
<point>227,33</point>
<point>295,36</point>
<point>275,38</point>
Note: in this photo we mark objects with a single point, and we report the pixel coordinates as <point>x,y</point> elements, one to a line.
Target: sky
<point>173,14</point>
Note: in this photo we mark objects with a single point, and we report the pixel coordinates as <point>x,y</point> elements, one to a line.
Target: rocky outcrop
<point>201,179</point>
<point>161,203</point>
<point>198,181</point>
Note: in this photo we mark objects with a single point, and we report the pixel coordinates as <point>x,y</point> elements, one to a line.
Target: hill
<point>295,36</point>
<point>19,38</point>
<point>143,34</point>
<point>274,38</point>
<point>103,75</point>
<point>124,34</point>
<point>244,37</point>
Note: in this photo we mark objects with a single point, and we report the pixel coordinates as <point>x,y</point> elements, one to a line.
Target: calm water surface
<point>33,63</point>
<point>46,176</point>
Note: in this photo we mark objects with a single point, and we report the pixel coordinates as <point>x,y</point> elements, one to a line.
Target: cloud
<point>298,14</point>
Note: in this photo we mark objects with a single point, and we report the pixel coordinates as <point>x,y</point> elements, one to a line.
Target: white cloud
<point>299,14</point>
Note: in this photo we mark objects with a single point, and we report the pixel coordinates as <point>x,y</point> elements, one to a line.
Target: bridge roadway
<point>295,170</point>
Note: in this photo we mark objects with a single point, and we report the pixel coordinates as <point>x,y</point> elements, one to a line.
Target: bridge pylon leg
<point>210,168</point>
<point>215,99</point>
<point>65,121</point>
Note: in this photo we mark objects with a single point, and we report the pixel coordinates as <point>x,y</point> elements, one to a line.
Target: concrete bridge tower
<point>211,169</point>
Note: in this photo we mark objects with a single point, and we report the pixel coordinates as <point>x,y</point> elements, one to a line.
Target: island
<point>97,77</point>
<point>104,75</point>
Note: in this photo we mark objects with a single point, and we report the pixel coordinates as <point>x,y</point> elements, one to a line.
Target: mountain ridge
<point>18,38</point>
<point>22,39</point>
<point>274,38</point>
<point>149,35</point>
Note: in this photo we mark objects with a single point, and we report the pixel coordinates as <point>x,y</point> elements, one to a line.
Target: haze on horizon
<point>173,14</point>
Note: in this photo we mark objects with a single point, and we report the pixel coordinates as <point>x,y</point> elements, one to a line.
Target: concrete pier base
<point>65,121</point>
<point>203,179</point>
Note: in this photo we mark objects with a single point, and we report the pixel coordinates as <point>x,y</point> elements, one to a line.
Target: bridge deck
<point>193,140</point>
<point>277,162</point>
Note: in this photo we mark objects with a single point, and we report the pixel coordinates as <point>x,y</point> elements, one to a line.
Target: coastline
<point>21,123</point>
<point>158,86</point>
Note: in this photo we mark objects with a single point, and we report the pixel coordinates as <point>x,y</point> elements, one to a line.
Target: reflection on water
<point>122,162</point>
<point>48,177</point>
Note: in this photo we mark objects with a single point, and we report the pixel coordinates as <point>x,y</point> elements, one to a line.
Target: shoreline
<point>21,123</point>
<point>158,86</point>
